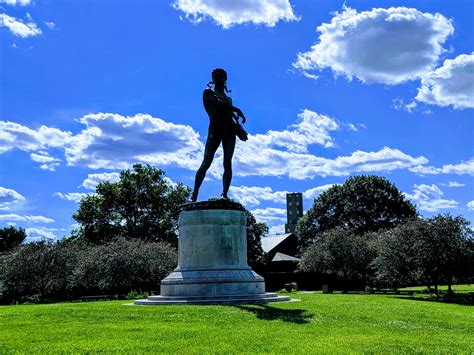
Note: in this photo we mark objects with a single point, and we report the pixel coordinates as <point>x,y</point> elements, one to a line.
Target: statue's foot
<point>224,196</point>
<point>194,196</point>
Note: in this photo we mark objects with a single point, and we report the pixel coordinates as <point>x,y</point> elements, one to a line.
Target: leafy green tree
<point>41,269</point>
<point>397,263</point>
<point>255,232</point>
<point>430,251</point>
<point>339,253</point>
<point>143,204</point>
<point>11,237</point>
<point>364,203</point>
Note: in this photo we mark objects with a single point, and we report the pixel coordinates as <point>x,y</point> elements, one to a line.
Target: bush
<point>42,271</point>
<point>123,265</point>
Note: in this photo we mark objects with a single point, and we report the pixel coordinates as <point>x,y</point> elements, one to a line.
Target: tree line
<point>363,232</point>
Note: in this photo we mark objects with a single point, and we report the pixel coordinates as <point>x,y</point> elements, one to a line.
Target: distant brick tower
<point>294,210</point>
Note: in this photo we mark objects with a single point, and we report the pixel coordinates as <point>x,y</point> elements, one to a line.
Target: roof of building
<point>270,242</point>
<point>284,257</point>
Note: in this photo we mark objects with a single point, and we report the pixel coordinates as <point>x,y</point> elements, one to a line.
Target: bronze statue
<point>223,127</point>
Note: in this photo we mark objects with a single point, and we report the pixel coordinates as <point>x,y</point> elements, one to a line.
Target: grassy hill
<point>317,322</point>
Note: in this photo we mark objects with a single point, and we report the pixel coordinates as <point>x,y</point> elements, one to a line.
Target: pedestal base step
<point>228,299</point>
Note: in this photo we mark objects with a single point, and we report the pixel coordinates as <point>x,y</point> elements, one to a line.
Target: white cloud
<point>428,198</point>
<point>93,180</point>
<point>450,84</point>
<point>8,197</point>
<point>470,205</point>
<point>388,46</point>
<point>113,141</point>
<point>22,218</point>
<point>316,191</point>
<point>50,25</point>
<point>270,214</point>
<point>278,229</point>
<point>18,27</point>
<point>49,162</point>
<point>37,234</point>
<point>235,12</point>
<point>455,184</point>
<point>14,135</point>
<point>16,2</point>
<point>462,168</point>
<point>71,196</point>
<point>253,195</point>
<point>273,162</point>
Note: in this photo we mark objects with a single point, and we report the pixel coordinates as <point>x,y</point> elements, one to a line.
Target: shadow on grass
<point>266,312</point>
<point>462,299</point>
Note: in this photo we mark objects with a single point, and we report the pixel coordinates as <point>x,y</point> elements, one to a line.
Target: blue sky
<point>330,89</point>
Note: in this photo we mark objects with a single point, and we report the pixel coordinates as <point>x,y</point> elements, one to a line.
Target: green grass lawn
<point>318,322</point>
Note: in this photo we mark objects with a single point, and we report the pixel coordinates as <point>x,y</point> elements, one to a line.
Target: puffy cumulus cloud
<point>428,198</point>
<point>16,136</point>
<point>313,128</point>
<point>253,195</point>
<point>451,84</point>
<point>93,180</point>
<point>270,214</point>
<point>278,229</point>
<point>316,191</point>
<point>37,234</point>
<point>71,196</point>
<point>18,27</point>
<point>388,46</point>
<point>113,141</point>
<point>470,205</point>
<point>16,2</point>
<point>235,12</point>
<point>462,168</point>
<point>22,218</point>
<point>48,162</point>
<point>8,197</point>
<point>274,162</point>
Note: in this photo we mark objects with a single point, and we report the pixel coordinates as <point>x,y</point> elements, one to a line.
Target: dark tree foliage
<point>431,251</point>
<point>42,269</point>
<point>255,231</point>
<point>340,254</point>
<point>143,204</point>
<point>364,203</point>
<point>122,265</point>
<point>11,237</point>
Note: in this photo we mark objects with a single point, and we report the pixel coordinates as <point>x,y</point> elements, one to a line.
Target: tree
<point>364,203</point>
<point>339,253</point>
<point>443,250</point>
<point>11,237</point>
<point>143,204</point>
<point>255,231</point>
<point>39,269</point>
<point>430,251</point>
<point>397,263</point>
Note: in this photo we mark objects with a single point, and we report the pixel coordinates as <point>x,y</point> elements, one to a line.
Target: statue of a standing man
<point>221,129</point>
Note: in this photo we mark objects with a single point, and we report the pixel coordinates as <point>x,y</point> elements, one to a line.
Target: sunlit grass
<point>319,322</point>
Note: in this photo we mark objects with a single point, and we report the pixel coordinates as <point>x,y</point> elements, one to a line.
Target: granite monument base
<point>212,259</point>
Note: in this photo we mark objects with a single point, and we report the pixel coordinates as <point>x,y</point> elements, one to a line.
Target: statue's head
<point>219,76</point>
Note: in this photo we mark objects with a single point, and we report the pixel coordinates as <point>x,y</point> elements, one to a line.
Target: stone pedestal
<point>212,263</point>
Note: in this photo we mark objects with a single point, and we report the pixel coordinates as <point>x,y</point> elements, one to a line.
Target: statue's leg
<point>228,145</point>
<point>212,144</point>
